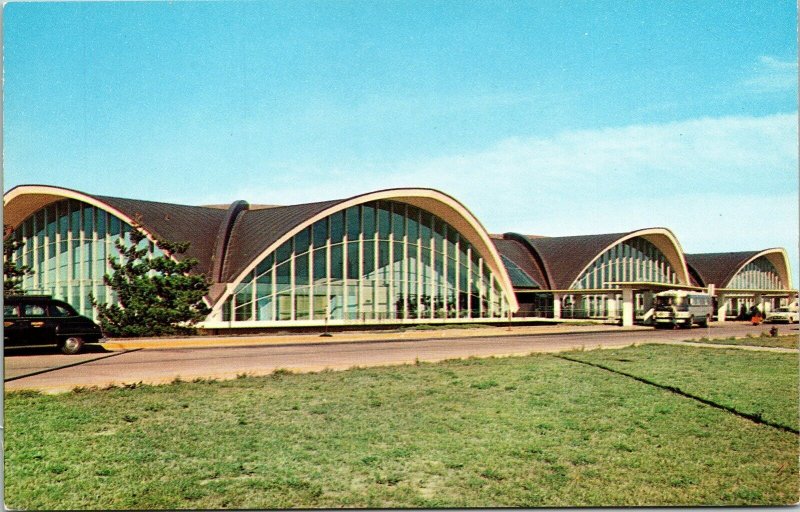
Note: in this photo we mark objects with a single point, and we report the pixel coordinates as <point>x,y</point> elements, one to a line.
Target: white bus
<point>684,308</point>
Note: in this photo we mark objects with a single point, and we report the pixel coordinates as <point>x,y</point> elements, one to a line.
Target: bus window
<point>669,301</point>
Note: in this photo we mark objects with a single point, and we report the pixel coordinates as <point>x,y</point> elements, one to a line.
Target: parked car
<point>41,320</point>
<point>782,315</point>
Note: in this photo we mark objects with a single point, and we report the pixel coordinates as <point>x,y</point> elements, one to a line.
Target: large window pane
<point>368,216</point>
<point>337,307</point>
<point>369,258</point>
<point>63,227</point>
<point>337,262</point>
<point>283,252</point>
<point>383,254</point>
<point>302,304</point>
<point>264,307</point>
<point>352,261</point>
<point>301,274</point>
<point>264,303</point>
<point>320,233</point>
<point>101,224</point>
<point>398,221</point>
<point>337,227</point>
<point>265,265</point>
<point>425,230</point>
<point>283,273</point>
<point>384,224</point>
<point>413,225</point>
<point>320,270</point>
<point>243,303</point>
<point>353,222</point>
<point>302,241</point>
<point>439,233</point>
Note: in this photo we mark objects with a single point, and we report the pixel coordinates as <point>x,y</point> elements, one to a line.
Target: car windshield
<point>669,301</point>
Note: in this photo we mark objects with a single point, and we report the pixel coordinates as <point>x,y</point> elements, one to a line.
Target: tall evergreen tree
<point>156,295</point>
<point>13,272</point>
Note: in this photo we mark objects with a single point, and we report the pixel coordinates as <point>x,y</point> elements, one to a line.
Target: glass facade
<point>381,260</point>
<point>67,245</point>
<point>636,260</point>
<point>759,274</point>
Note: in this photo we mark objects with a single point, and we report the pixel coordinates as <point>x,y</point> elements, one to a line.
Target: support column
<point>627,307</point>
<point>556,305</point>
<point>722,308</point>
<point>611,305</point>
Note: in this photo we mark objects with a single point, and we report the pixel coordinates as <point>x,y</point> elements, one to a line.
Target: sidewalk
<point>356,336</point>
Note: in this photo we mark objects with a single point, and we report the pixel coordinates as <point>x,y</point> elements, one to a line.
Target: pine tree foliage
<point>156,295</point>
<point>13,272</point>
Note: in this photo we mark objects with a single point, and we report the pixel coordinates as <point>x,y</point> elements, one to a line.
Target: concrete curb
<point>352,337</point>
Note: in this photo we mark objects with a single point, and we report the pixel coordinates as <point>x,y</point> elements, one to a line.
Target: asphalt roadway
<point>162,361</point>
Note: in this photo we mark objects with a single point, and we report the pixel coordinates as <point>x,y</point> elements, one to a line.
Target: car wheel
<point>705,321</point>
<point>71,345</point>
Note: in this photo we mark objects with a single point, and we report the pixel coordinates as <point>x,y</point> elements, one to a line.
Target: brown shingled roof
<point>197,225</point>
<point>564,257</point>
<point>255,230</point>
<point>519,253</point>
<point>718,268</point>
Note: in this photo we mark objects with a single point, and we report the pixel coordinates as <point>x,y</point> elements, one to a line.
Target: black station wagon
<point>41,320</point>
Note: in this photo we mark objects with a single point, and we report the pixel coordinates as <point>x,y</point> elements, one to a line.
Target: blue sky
<point>543,117</point>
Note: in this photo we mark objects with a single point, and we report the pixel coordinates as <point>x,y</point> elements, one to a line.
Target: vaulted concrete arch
<point>440,204</point>
<point>663,239</point>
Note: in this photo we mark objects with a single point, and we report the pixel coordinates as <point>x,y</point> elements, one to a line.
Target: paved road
<point>45,370</point>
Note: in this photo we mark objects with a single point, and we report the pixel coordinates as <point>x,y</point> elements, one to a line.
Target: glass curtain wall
<point>382,260</point>
<point>759,274</point>
<point>635,259</point>
<point>67,245</point>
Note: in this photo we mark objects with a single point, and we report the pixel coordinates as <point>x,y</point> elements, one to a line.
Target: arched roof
<point>229,243</point>
<point>720,268</point>
<point>197,225</point>
<point>520,255</point>
<point>565,258</point>
<point>257,233</point>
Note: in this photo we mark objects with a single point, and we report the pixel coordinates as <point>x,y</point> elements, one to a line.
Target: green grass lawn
<point>765,340</point>
<point>523,432</point>
<point>757,383</point>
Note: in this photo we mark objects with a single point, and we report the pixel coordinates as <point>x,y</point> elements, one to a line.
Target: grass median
<point>522,432</point>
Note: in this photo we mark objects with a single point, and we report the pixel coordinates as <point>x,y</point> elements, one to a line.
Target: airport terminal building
<point>399,256</point>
